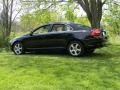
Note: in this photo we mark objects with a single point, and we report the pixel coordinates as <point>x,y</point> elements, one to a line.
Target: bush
<point>4,42</point>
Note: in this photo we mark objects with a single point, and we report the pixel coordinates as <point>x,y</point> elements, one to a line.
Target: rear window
<point>79,27</point>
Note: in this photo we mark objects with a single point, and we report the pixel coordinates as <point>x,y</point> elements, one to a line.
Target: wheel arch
<point>72,40</point>
<point>80,43</point>
<point>16,42</point>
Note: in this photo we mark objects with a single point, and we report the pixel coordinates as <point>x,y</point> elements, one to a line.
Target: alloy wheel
<point>75,49</point>
<point>18,48</point>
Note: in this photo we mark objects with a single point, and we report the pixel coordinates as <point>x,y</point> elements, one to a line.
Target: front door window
<point>41,30</point>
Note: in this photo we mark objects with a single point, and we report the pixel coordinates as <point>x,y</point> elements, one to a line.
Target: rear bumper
<point>96,42</point>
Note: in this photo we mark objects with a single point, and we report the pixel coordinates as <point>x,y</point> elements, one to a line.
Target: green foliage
<point>62,12</point>
<point>82,20</point>
<point>32,18</point>
<point>70,15</point>
<point>112,19</point>
<point>4,42</point>
<point>70,12</point>
<point>30,21</point>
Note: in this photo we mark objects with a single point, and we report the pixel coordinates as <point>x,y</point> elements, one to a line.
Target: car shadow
<point>48,52</point>
<point>95,55</point>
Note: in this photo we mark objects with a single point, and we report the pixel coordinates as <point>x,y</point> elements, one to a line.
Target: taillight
<point>95,32</point>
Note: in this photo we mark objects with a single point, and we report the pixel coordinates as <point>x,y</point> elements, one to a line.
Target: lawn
<point>100,71</point>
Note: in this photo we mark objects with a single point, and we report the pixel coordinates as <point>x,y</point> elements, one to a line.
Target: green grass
<point>100,71</point>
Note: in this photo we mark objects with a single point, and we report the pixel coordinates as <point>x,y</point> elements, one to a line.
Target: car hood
<point>19,38</point>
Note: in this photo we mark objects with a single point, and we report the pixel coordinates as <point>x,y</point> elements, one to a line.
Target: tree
<point>93,9</point>
<point>36,18</point>
<point>36,13</point>
<point>7,16</point>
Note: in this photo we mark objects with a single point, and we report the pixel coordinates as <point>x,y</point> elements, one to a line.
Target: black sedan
<point>77,39</point>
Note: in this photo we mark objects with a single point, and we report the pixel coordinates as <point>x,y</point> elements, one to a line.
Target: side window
<point>69,28</point>
<point>43,29</point>
<point>58,28</point>
<point>80,27</point>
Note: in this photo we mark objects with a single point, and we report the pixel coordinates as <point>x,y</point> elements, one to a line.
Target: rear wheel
<point>18,48</point>
<point>75,48</point>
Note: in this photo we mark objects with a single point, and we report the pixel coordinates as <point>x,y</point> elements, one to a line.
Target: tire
<point>75,48</point>
<point>89,51</point>
<point>18,48</point>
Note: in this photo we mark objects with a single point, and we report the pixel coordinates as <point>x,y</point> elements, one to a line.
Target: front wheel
<point>18,48</point>
<point>75,48</point>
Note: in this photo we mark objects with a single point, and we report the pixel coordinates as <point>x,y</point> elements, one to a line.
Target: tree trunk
<point>6,16</point>
<point>93,9</point>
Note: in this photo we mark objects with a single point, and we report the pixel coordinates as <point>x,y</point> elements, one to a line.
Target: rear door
<point>57,37</point>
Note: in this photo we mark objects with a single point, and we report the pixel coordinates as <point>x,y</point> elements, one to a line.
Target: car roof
<point>61,23</point>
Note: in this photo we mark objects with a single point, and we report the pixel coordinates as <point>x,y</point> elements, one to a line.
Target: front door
<point>38,39</point>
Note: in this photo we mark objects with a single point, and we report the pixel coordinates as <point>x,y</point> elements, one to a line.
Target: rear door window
<point>58,28</point>
<point>69,28</point>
